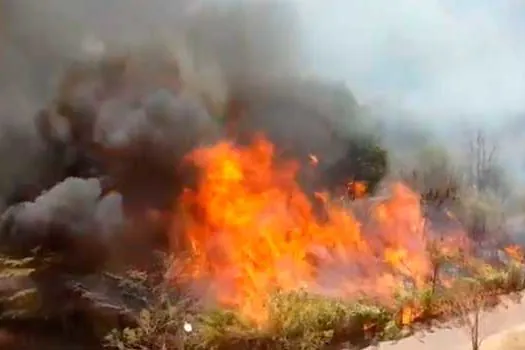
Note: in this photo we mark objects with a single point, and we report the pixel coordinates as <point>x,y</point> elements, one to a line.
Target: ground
<point>502,329</point>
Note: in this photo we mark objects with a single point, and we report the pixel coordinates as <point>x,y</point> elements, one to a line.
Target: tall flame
<point>251,230</point>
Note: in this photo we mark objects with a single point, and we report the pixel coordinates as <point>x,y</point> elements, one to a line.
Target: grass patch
<point>297,320</point>
<point>300,320</point>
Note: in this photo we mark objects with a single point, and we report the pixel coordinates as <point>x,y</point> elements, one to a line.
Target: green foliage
<point>364,161</point>
<point>311,322</point>
<point>296,321</point>
<point>392,331</point>
<point>300,320</point>
<point>370,161</point>
<point>158,327</point>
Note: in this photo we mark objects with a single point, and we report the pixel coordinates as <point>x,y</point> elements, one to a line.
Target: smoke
<point>436,57</point>
<point>128,87</point>
<point>434,71</point>
<point>73,218</point>
<point>107,97</point>
<point>438,60</point>
<point>223,50</point>
<point>245,38</point>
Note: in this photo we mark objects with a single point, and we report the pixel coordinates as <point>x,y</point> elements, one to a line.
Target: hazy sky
<point>441,56</point>
<point>462,56</point>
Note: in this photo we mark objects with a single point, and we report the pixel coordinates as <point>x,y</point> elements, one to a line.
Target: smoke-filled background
<point>437,57</point>
<point>421,75</point>
<point>442,78</point>
<point>438,61</point>
<point>101,100</point>
<point>440,65</point>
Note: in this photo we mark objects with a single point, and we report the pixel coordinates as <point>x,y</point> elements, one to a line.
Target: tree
<point>485,190</point>
<point>483,170</point>
<point>468,307</point>
<point>434,175</point>
<point>304,117</point>
<point>364,161</point>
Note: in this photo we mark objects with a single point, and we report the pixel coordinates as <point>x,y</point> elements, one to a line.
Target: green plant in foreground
<point>301,320</point>
<point>296,321</point>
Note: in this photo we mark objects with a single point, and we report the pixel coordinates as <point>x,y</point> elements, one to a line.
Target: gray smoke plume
<point>215,44</point>
<point>438,65</point>
<point>245,38</point>
<point>73,218</point>
<point>118,92</point>
<point>242,49</point>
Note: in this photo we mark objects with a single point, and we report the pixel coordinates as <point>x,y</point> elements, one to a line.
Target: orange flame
<point>407,315</point>
<point>251,231</point>
<point>515,253</point>
<point>356,189</point>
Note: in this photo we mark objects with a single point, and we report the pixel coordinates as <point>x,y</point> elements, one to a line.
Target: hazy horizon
<point>433,57</point>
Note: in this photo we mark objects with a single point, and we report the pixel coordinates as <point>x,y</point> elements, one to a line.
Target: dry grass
<point>297,320</point>
<point>303,321</point>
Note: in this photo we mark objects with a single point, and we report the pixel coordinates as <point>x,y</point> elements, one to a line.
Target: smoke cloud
<point>154,77</point>
<point>215,45</point>
<point>103,96</point>
<point>437,57</point>
<point>434,71</point>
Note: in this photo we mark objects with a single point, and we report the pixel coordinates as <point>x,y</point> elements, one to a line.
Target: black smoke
<point>98,150</point>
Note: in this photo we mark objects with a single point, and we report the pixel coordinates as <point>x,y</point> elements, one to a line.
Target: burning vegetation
<point>158,217</point>
<point>265,241</point>
<point>251,230</point>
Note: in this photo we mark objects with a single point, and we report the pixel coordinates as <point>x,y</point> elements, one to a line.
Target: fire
<point>408,314</point>
<point>356,189</point>
<point>515,253</point>
<point>251,231</point>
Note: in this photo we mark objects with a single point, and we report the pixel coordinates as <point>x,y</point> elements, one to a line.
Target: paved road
<point>495,323</point>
